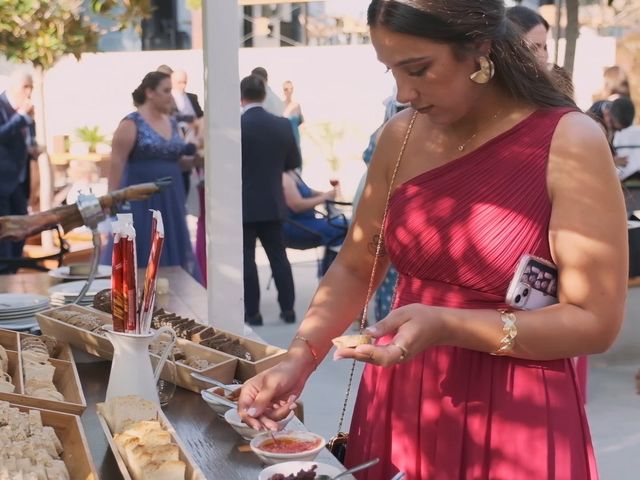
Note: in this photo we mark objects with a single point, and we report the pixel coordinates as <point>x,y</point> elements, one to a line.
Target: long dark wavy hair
<point>462,23</point>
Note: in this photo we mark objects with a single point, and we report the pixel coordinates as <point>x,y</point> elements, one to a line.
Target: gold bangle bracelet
<point>510,331</point>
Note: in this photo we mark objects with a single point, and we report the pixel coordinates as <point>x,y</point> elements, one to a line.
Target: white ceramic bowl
<point>289,468</point>
<point>217,406</point>
<point>271,458</point>
<point>244,430</point>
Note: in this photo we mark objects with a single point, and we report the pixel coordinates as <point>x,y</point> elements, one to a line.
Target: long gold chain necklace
<point>462,146</point>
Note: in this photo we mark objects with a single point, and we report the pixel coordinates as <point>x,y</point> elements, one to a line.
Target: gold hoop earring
<point>486,72</point>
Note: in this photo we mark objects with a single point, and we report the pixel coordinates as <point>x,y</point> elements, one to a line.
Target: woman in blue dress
<point>308,228</point>
<point>292,110</point>
<point>147,146</point>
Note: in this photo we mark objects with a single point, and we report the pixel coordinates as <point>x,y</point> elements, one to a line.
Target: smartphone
<point>534,284</point>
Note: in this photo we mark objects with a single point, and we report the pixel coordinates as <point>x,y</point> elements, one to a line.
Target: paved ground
<point>613,408</point>
<point>323,398</point>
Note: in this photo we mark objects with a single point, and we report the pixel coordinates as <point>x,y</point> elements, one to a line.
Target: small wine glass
<point>166,385</point>
<point>334,182</point>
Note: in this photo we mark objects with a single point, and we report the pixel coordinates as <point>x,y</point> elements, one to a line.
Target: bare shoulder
<point>126,133</point>
<point>579,153</point>
<point>127,126</point>
<point>392,136</point>
<point>396,128</point>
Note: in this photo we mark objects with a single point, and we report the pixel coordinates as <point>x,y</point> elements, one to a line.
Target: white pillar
<point>223,174</point>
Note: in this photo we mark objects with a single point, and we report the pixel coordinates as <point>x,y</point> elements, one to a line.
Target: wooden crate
<point>65,378</point>
<point>265,355</point>
<point>192,471</point>
<point>76,454</point>
<point>85,340</point>
<point>224,369</point>
<point>98,345</point>
<point>10,340</point>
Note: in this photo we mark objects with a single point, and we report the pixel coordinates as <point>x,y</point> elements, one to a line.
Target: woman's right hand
<point>271,395</point>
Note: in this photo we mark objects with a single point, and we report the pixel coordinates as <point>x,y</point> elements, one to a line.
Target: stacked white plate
<point>18,310</point>
<point>64,273</point>
<point>65,293</point>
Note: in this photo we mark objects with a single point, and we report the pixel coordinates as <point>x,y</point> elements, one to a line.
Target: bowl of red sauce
<point>286,446</point>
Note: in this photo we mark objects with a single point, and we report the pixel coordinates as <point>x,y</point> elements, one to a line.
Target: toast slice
<point>351,341</point>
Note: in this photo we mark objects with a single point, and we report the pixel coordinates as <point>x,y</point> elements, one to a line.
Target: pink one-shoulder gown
<point>455,233</point>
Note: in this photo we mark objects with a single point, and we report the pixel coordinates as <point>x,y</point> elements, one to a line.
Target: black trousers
<point>13,204</point>
<point>272,239</point>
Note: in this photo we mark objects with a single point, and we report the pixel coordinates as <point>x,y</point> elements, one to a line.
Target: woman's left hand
<point>416,328</point>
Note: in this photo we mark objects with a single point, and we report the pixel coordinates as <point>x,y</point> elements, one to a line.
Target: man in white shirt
<point>189,110</point>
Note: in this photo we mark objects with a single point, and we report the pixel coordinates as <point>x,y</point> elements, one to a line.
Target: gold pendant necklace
<point>462,146</point>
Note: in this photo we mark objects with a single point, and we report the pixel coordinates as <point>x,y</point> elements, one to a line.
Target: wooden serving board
<point>192,471</point>
<point>76,454</point>
<point>223,368</point>
<point>264,355</point>
<point>65,378</point>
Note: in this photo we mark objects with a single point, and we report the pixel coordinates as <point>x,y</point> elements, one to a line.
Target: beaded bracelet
<point>309,346</point>
<point>510,331</point>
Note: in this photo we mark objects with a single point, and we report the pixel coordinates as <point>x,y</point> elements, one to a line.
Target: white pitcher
<point>131,371</point>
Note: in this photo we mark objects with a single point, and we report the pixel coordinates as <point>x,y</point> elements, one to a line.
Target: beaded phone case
<point>534,284</point>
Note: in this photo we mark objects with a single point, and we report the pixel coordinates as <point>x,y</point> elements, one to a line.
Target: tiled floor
<point>613,408</point>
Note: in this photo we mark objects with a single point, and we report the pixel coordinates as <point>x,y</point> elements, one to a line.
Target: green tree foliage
<point>42,31</point>
<point>126,13</point>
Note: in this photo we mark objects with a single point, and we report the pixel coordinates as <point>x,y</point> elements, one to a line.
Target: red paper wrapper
<point>129,274</point>
<point>149,294</point>
<point>117,299</point>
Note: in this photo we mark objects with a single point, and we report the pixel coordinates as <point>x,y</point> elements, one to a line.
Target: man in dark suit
<point>268,150</point>
<point>15,123</point>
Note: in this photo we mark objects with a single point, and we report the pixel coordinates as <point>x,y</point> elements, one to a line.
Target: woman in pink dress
<point>497,163</point>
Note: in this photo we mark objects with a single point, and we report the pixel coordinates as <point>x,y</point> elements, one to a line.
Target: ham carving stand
<point>89,211</point>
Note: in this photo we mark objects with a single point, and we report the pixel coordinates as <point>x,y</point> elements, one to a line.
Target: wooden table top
<point>212,443</point>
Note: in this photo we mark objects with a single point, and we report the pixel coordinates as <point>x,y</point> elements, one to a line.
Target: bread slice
<point>156,437</point>
<point>351,341</point>
<point>34,356</point>
<point>38,371</point>
<point>143,455</point>
<point>122,412</point>
<point>123,439</point>
<point>6,387</point>
<point>4,360</point>
<point>143,427</point>
<point>173,470</point>
<point>159,453</point>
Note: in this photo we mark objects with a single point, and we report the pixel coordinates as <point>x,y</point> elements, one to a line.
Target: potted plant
<point>91,136</point>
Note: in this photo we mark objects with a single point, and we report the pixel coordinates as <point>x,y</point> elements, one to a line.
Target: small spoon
<point>219,399</point>
<point>355,469</point>
<point>212,381</point>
